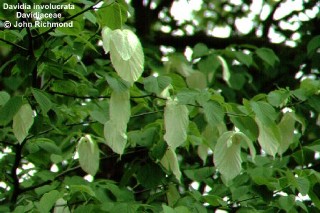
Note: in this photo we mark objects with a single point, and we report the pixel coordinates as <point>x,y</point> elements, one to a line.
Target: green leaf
<point>156,84</point>
<point>22,122</point>
<point>214,200</point>
<point>315,146</point>
<point>172,195</point>
<point>168,209</point>
<point>124,208</point>
<point>117,84</point>
<point>269,137</point>
<point>178,63</point>
<point>213,112</point>
<point>313,45</point>
<point>47,145</point>
<point>99,115</point>
<point>113,15</point>
<point>43,100</point>
<point>143,137</point>
<point>267,55</point>
<point>82,188</point>
<point>264,111</point>
<point>199,50</point>
<point>303,185</point>
<point>209,65</point>
<point>286,203</point>
<point>4,97</point>
<point>150,175</point>
<point>225,70</point>
<point>278,98</point>
<point>181,209</point>
<point>314,102</point>
<point>89,155</point>
<point>286,128</point>
<point>61,206</point>
<point>170,163</point>
<point>88,15</point>
<point>199,174</point>
<point>246,124</point>
<point>10,109</point>
<point>188,96</point>
<point>197,80</point>
<point>126,53</point>
<point>47,201</point>
<point>176,120</point>
<point>227,151</point>
<point>202,152</point>
<point>244,58</point>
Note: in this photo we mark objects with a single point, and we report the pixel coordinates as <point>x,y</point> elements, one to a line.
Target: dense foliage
<point>134,110</point>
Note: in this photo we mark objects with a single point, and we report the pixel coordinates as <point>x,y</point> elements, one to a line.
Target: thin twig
<point>13,44</point>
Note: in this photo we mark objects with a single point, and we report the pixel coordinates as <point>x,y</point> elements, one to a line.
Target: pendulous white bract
<point>126,53</point>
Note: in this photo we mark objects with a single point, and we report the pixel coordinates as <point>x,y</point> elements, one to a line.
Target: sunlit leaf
<point>170,163</point>
<point>286,127</point>
<point>115,136</point>
<point>119,107</point>
<point>227,151</point>
<point>22,122</point>
<point>88,151</point>
<point>269,137</point>
<point>225,69</point>
<point>126,43</point>
<point>106,38</point>
<point>126,53</point>
<point>115,130</point>
<point>176,121</point>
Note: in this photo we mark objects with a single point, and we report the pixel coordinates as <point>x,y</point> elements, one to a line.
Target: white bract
<point>170,163</point>
<point>115,130</point>
<point>89,155</point>
<point>227,152</point>
<point>176,120</point>
<point>125,52</point>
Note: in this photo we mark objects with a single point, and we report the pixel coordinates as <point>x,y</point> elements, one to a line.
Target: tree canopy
<point>152,106</point>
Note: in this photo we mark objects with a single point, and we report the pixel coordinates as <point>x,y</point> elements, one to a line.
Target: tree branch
<point>103,96</point>
<point>16,185</point>
<point>214,42</point>
<point>244,42</point>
